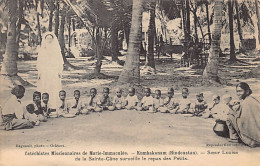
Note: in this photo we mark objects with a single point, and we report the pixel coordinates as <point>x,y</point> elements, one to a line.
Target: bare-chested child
<point>146,102</point>
<point>169,103</point>
<point>93,102</point>
<point>211,111</point>
<point>200,105</point>
<point>105,101</point>
<point>131,99</point>
<point>31,116</point>
<point>38,110</point>
<point>119,100</point>
<point>77,105</point>
<point>184,103</point>
<point>157,101</point>
<point>48,109</point>
<point>63,107</point>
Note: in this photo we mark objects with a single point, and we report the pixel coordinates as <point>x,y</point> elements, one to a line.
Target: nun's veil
<point>49,55</point>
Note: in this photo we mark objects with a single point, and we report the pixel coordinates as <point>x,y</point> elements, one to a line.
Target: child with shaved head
<point>131,99</point>
<point>119,100</point>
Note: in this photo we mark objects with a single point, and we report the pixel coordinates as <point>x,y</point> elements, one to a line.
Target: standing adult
<point>244,123</point>
<point>50,67</point>
<point>12,112</point>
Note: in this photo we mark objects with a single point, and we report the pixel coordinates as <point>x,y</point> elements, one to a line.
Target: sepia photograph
<point>129,82</point>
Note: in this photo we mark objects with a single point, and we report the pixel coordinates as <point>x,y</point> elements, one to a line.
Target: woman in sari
<point>244,123</point>
<point>12,112</point>
<point>50,67</point>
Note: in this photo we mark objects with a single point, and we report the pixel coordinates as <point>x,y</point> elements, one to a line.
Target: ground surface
<point>130,128</point>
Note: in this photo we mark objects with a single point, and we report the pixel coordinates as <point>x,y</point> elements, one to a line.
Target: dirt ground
<point>130,128</point>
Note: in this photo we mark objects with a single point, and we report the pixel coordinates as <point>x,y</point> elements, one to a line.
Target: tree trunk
<point>127,32</point>
<point>231,31</point>
<point>131,70</point>
<point>9,67</point>
<point>56,19</point>
<point>98,51</point>
<point>151,35</point>
<point>207,11</point>
<point>39,35</point>
<point>239,29</point>
<point>20,17</point>
<point>52,7</point>
<point>188,17</point>
<point>258,23</point>
<point>61,37</point>
<point>114,42</point>
<point>69,31</point>
<point>211,71</point>
<point>10,56</point>
<point>195,25</point>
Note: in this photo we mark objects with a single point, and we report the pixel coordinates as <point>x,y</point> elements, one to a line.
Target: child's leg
<point>163,109</point>
<point>175,110</point>
<point>97,109</point>
<point>118,106</point>
<point>42,118</point>
<point>111,108</point>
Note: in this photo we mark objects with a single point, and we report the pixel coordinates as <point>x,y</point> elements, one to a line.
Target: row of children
<point>38,111</point>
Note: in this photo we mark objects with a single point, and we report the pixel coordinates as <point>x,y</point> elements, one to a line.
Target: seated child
<point>169,103</point>
<point>200,105</point>
<point>147,101</point>
<point>211,109</point>
<point>37,106</point>
<point>105,101</point>
<point>184,104</point>
<point>221,111</point>
<point>119,100</point>
<point>48,110</point>
<point>220,115</point>
<point>63,107</point>
<point>77,105</point>
<point>93,103</point>
<point>31,116</point>
<point>131,99</point>
<point>157,101</point>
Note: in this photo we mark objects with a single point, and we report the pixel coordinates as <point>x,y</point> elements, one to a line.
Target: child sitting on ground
<point>131,99</point>
<point>169,103</point>
<point>214,106</point>
<point>146,102</point>
<point>157,101</point>
<point>93,103</point>
<point>105,101</point>
<point>184,104</point>
<point>37,106</point>
<point>48,110</point>
<point>31,116</point>
<point>63,107</point>
<point>77,105</point>
<point>200,105</point>
<point>119,101</point>
<point>221,111</point>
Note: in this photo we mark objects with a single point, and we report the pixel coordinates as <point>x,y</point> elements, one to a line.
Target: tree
<point>51,9</point>
<point>63,14</point>
<point>131,70</point>
<point>211,71</point>
<point>231,31</point>
<point>239,28</point>
<point>56,18</point>
<point>258,21</point>
<point>151,36</point>
<point>9,68</point>
<point>208,24</point>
